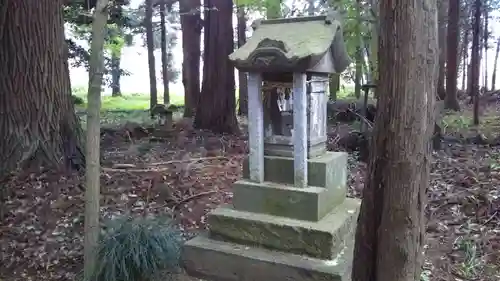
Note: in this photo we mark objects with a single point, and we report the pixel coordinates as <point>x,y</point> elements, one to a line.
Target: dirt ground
<point>188,173</point>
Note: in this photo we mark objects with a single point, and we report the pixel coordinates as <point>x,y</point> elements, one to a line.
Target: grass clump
<point>137,249</point>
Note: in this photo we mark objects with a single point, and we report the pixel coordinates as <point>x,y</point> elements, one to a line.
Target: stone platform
<point>322,239</point>
<point>210,259</point>
<point>276,231</point>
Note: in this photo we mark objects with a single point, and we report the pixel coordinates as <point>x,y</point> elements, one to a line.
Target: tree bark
<point>359,53</point>
<point>389,236</point>
<point>164,55</point>
<point>93,171</point>
<point>191,49</point>
<point>495,64</point>
<point>485,45</point>
<point>153,90</point>
<point>465,58</point>
<point>115,75</point>
<point>216,110</point>
<point>37,118</point>
<point>334,85</point>
<point>475,63</point>
<point>242,76</point>
<point>451,101</point>
<point>442,20</point>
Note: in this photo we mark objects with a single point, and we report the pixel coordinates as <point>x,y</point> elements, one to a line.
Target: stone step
<point>311,203</point>
<point>329,169</point>
<point>323,239</point>
<point>214,260</point>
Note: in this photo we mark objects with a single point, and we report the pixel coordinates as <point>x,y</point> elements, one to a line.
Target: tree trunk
<point>465,58</point>
<point>93,171</point>
<point>485,43</point>
<point>164,55</point>
<point>217,106</point>
<point>451,101</point>
<point>242,76</point>
<point>475,63</point>
<point>390,231</point>
<point>442,19</point>
<point>38,122</point>
<point>359,53</point>
<point>191,36</point>
<point>334,85</point>
<point>115,75</point>
<point>495,64</point>
<point>153,90</point>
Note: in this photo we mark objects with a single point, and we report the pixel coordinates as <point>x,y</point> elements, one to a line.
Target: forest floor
<point>191,172</point>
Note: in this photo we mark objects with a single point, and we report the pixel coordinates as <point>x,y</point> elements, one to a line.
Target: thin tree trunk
<point>359,53</point>
<point>334,85</point>
<point>451,101</point>
<point>389,237</point>
<point>442,19</point>
<point>495,64</point>
<point>368,65</point>
<point>115,75</point>
<point>216,110</point>
<point>191,49</point>
<point>242,76</point>
<point>485,43</point>
<point>475,63</point>
<point>465,58</point>
<point>37,118</point>
<point>164,55</point>
<point>153,90</point>
<point>93,171</point>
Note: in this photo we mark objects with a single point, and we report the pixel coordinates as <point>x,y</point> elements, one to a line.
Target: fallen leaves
<point>41,233</point>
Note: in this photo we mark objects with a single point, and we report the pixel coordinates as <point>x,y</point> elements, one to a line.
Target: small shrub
<point>137,249</point>
<point>78,100</point>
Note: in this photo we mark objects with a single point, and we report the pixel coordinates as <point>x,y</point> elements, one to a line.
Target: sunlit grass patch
<point>462,122</point>
<point>128,101</point>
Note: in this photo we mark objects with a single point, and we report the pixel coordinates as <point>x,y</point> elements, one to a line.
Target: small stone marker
<point>290,218</point>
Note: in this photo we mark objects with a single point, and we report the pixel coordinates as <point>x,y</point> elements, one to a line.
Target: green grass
<point>140,101</point>
<point>128,101</point>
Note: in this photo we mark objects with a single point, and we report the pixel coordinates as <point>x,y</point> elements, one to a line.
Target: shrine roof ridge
<point>292,44</point>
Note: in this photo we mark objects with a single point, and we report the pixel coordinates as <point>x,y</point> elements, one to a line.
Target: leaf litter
<point>191,172</point>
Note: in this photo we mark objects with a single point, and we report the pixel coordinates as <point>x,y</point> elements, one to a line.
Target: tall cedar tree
<point>148,23</point>
<point>390,233</point>
<point>242,76</point>
<point>38,122</point>
<point>442,19</point>
<point>216,110</point>
<point>191,25</point>
<point>451,101</point>
<point>164,53</point>
<point>495,64</point>
<point>475,61</point>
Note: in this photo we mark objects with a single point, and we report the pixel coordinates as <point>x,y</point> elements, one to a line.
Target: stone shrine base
<point>244,246</point>
<point>210,259</point>
<point>274,231</point>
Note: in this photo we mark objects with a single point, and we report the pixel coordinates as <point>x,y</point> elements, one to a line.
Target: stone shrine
<point>290,218</point>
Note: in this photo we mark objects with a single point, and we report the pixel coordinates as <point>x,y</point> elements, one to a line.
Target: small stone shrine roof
<point>300,44</point>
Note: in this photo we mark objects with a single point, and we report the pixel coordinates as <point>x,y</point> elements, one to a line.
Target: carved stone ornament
<point>269,53</point>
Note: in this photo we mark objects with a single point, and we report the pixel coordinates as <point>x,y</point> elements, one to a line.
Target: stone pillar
<point>300,126</point>
<point>255,128</point>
